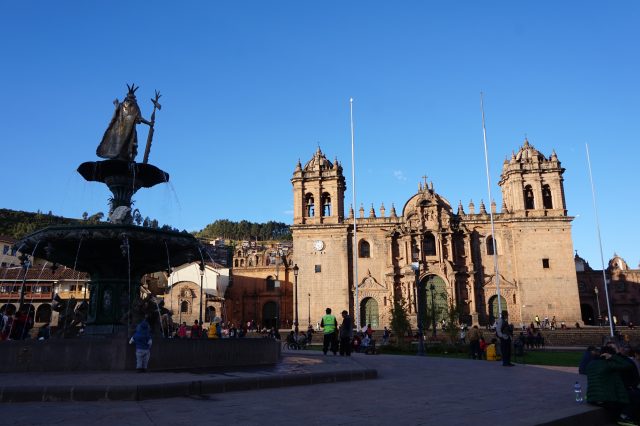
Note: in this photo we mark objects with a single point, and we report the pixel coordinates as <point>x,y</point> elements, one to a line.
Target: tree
<point>399,320</point>
<point>85,215</point>
<point>452,315</point>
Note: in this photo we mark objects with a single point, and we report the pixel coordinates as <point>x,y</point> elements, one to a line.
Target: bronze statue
<point>120,140</point>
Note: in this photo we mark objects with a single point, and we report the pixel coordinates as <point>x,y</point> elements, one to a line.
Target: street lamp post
<point>598,302</point>
<point>309,296</point>
<point>296,269</point>
<point>201,290</point>
<point>419,288</point>
<point>433,308</point>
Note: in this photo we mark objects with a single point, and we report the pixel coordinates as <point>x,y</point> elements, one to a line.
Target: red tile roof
<point>40,274</point>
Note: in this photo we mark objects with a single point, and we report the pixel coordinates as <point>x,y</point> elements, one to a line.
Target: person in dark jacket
<point>346,330</point>
<point>142,339</point>
<point>605,386</point>
<point>589,355</point>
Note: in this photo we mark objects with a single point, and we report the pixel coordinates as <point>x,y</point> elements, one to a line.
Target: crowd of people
<point>342,338</point>
<point>613,380</point>
<point>19,325</point>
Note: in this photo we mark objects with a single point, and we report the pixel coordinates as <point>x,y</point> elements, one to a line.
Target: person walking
<point>504,331</point>
<point>309,334</point>
<point>142,339</point>
<point>329,325</point>
<point>474,342</point>
<point>385,336</point>
<point>346,331</point>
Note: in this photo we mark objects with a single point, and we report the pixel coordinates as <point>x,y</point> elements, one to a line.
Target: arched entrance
<point>270,315</point>
<point>587,314</point>
<point>9,309</point>
<point>29,309</point>
<point>436,299</point>
<point>494,310</point>
<point>209,314</point>
<point>369,312</point>
<point>43,313</point>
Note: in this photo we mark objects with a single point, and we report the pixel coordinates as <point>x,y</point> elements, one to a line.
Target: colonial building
<point>623,290</point>
<point>196,291</point>
<point>453,250</point>
<point>262,287</point>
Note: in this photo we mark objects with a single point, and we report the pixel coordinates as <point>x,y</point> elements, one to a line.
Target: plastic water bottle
<point>578,391</point>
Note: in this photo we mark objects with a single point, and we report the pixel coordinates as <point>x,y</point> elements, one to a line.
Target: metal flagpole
<point>493,229</point>
<point>356,302</point>
<point>604,275</point>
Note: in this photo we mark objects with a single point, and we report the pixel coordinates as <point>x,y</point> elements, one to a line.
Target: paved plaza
<point>407,390</point>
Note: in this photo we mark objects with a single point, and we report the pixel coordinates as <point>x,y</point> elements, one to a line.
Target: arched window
<point>490,242</point>
<point>309,205</point>
<point>528,198</point>
<point>546,197</point>
<point>429,244</point>
<point>326,204</point>
<point>271,284</point>
<point>184,307</point>
<point>236,263</point>
<point>364,250</point>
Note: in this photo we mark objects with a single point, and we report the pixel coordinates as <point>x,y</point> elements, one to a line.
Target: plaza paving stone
<point>407,390</point>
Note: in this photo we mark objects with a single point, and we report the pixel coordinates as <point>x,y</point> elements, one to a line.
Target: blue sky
<point>250,87</point>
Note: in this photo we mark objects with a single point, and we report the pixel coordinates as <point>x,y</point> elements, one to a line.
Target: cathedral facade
<point>452,253</point>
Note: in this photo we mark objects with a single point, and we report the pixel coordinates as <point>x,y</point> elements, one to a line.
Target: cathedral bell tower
<point>532,185</point>
<point>318,192</point>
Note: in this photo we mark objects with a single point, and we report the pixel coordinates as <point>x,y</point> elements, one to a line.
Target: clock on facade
<point>318,245</point>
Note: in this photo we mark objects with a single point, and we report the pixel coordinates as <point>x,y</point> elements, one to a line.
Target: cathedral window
<point>528,198</point>
<point>364,250</point>
<point>429,244</point>
<point>318,269</point>
<point>184,307</point>
<point>326,204</point>
<point>271,284</point>
<point>490,250</point>
<point>235,263</point>
<point>546,197</point>
<point>545,263</point>
<point>415,251</point>
<point>310,206</point>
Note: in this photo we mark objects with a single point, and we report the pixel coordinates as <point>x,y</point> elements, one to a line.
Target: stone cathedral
<point>453,250</point>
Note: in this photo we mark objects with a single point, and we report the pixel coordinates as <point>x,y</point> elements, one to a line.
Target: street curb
<point>178,389</point>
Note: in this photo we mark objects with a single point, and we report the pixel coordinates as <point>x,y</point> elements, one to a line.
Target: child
<point>483,348</point>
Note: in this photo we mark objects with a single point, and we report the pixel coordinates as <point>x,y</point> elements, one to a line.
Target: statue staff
<point>156,105</point>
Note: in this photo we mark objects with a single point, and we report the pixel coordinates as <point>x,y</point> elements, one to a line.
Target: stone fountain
<point>116,255</point>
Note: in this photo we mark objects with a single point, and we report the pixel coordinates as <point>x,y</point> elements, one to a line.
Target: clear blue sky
<point>250,87</point>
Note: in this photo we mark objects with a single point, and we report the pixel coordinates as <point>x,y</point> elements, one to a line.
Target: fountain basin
<point>115,257</point>
<point>115,354</point>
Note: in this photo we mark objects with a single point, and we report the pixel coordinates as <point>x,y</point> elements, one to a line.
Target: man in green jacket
<point>329,325</point>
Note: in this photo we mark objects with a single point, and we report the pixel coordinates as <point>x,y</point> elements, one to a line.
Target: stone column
<point>471,285</point>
